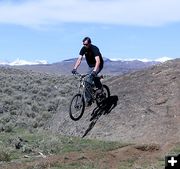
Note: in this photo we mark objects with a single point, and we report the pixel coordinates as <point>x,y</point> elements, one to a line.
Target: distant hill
<point>110,67</point>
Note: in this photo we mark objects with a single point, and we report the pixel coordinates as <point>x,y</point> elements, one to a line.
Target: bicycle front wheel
<point>77,106</point>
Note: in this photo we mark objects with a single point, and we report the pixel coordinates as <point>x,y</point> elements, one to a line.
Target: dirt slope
<point>127,157</point>
<point>144,107</point>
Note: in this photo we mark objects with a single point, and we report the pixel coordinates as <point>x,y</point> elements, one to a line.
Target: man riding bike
<point>95,62</point>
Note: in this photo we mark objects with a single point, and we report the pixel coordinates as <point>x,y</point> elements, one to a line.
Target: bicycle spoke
<point>77,107</point>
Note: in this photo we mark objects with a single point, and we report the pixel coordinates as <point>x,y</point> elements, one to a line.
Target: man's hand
<point>74,71</point>
<point>93,74</point>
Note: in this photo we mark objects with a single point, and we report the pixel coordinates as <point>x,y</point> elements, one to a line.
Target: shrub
<point>1,127</point>
<point>18,97</point>
<point>13,112</point>
<point>52,145</point>
<point>8,90</point>
<point>35,108</point>
<point>1,109</point>
<point>9,127</point>
<point>5,118</point>
<point>46,115</point>
<point>4,156</point>
<point>53,105</point>
<point>30,114</point>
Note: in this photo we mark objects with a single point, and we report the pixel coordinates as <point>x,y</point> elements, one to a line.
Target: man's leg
<point>97,81</point>
<point>88,88</point>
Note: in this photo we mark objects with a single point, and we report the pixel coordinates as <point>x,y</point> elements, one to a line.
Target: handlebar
<point>84,75</point>
<point>81,75</point>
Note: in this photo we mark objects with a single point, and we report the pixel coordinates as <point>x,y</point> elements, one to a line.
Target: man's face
<point>86,44</point>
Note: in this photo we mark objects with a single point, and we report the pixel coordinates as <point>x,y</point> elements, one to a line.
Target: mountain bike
<point>77,103</point>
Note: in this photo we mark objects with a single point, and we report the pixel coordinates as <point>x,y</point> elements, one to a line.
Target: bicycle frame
<point>82,87</point>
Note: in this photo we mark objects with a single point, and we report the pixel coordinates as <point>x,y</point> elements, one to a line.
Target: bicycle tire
<point>107,92</point>
<point>78,106</point>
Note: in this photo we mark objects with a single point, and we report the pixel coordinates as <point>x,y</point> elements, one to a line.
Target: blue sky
<point>53,30</point>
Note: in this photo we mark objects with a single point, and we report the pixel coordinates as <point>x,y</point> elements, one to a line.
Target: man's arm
<point>78,62</point>
<point>97,58</point>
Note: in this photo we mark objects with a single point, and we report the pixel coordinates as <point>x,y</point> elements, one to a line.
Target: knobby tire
<point>105,90</point>
<point>72,107</point>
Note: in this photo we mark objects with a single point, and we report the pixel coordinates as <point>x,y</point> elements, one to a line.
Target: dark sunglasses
<point>86,44</point>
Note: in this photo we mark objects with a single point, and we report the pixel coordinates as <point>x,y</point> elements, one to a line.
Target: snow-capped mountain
<point>162,59</point>
<point>19,62</point>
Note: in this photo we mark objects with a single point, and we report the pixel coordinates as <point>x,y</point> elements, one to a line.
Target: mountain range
<point>65,66</point>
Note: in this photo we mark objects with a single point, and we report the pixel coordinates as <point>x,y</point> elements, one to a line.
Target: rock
<point>161,100</point>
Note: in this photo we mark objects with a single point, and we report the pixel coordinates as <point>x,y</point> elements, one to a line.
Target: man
<point>95,62</point>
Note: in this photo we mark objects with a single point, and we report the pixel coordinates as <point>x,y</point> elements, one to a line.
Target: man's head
<point>86,42</point>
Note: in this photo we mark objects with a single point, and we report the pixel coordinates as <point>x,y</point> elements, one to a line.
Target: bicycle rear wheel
<point>77,106</point>
<point>106,91</point>
<point>103,96</point>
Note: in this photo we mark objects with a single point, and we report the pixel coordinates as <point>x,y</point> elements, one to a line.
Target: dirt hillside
<point>144,107</point>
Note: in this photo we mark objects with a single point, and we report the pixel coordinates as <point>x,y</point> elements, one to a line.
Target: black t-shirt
<point>90,54</point>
